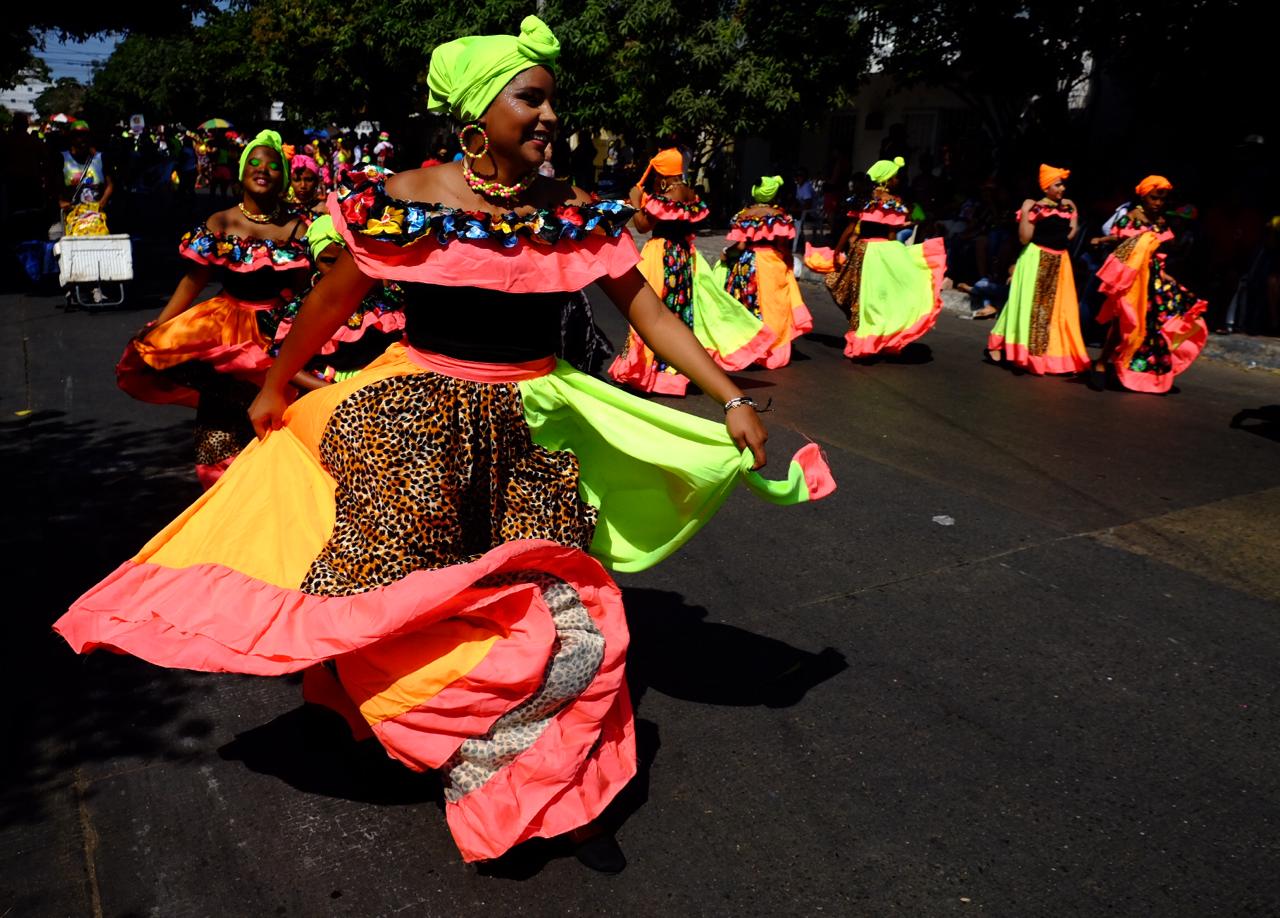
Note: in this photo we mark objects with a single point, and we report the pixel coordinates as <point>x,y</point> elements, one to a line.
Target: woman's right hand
<point>267,411</point>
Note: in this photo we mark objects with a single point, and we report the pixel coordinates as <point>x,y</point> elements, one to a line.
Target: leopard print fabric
<point>222,414</point>
<point>1046,294</point>
<point>845,285</point>
<point>432,471</point>
<point>576,656</point>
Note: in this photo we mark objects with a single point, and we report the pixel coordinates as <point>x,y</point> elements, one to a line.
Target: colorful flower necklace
<point>496,190</point>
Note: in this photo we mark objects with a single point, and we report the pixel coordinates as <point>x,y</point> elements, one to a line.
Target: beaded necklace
<point>496,190</point>
<point>259,218</point>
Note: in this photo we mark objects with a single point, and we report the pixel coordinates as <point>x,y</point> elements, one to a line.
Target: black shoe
<point>987,358</point>
<point>601,853</point>
<point>1095,378</point>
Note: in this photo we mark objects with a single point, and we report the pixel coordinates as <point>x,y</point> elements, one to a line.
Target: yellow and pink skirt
<point>892,293</point>
<point>435,533</point>
<point>1039,327</point>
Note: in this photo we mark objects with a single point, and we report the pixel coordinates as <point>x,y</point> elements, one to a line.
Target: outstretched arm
<point>195,280</point>
<point>671,339</point>
<point>330,303</point>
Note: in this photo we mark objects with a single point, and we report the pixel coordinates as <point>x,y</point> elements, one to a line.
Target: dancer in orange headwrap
<point>684,282</point>
<point>1157,330</point>
<point>1039,329</point>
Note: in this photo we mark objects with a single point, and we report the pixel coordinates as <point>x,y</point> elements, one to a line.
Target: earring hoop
<point>462,140</point>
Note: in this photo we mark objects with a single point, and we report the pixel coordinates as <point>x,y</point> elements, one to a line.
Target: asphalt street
<point>1023,662</point>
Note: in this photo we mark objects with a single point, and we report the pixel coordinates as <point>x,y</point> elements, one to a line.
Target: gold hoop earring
<point>462,140</point>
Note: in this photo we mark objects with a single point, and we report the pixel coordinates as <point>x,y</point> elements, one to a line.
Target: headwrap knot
<point>767,189</point>
<point>883,170</point>
<point>467,74</point>
<point>1050,174</point>
<point>666,162</point>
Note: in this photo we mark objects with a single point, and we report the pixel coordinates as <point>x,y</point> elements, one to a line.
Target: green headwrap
<point>467,74</point>
<point>767,189</point>
<point>321,234</point>
<point>885,169</point>
<point>266,139</point>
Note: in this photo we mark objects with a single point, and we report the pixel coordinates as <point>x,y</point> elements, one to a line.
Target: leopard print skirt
<point>432,470</point>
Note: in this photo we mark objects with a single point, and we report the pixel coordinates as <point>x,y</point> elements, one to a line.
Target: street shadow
<point>311,749</point>
<point>914,354</point>
<point>836,341</point>
<point>82,497</point>
<point>747,382</point>
<point>676,651</point>
<point>1263,422</point>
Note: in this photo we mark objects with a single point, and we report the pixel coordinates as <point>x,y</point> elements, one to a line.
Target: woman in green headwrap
<point>756,269</point>
<point>423,528</point>
<point>212,355</point>
<point>891,292</point>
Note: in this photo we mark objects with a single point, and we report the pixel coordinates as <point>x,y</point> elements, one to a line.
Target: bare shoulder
<point>221,221</point>
<point>1070,203</point>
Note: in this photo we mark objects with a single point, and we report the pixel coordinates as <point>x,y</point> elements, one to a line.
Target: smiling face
<point>263,172</point>
<point>520,122</point>
<point>1055,191</point>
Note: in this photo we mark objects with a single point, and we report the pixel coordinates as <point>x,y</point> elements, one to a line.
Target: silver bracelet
<point>739,402</point>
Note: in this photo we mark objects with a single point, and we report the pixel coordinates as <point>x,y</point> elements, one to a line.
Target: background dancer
<point>1156,326</point>
<point>212,355</point>
<point>671,264</point>
<point>1039,328</point>
<point>756,269</point>
<point>891,292</point>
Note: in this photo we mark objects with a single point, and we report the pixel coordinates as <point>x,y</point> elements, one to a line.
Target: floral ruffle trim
<point>663,208</point>
<point>370,211</point>
<point>1127,227</point>
<point>887,210</point>
<point>240,254</point>
<point>382,310</point>
<point>1040,211</point>
<point>761,227</point>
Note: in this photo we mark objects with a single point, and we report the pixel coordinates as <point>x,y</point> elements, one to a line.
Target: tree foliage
<point>66,96</point>
<point>26,24</point>
<point>648,66</point>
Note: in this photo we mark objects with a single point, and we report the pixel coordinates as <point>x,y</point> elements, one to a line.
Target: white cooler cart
<point>89,267</point>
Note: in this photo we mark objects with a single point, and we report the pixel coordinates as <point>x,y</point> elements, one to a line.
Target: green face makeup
<point>256,162</point>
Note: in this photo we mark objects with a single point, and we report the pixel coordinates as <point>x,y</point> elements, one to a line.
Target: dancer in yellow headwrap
<point>1156,325</point>
<point>891,292</point>
<point>435,529</point>
<point>671,210</point>
<point>1039,329</point>
<point>756,269</point>
<point>212,355</point>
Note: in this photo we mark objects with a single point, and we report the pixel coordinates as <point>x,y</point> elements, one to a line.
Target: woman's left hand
<point>748,432</point>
